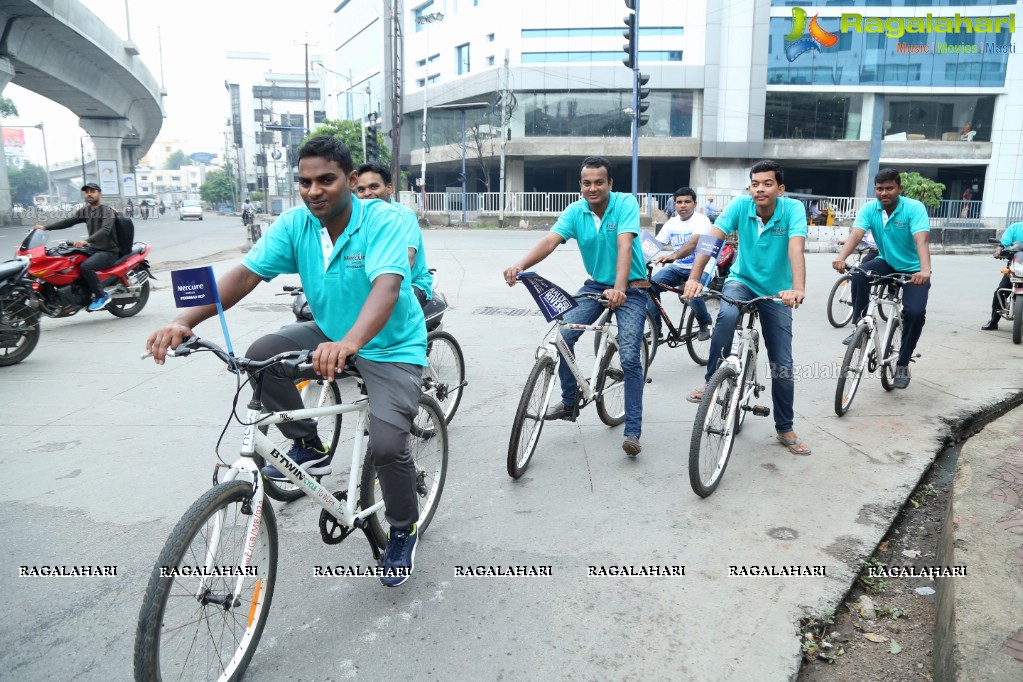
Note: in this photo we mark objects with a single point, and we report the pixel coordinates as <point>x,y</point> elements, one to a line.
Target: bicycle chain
<point>332,531</point>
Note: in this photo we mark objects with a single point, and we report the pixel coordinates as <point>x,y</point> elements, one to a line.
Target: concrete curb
<point>979,630</point>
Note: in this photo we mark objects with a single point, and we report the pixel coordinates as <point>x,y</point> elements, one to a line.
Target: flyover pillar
<point>6,74</point>
<point>116,145</point>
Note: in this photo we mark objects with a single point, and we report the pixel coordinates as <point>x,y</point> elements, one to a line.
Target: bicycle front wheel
<point>193,627</point>
<point>610,388</point>
<point>315,393</point>
<point>713,431</point>
<point>444,375</point>
<point>428,445</point>
<point>891,354</point>
<point>525,433</point>
<point>699,351</point>
<point>852,370</point>
<point>840,302</point>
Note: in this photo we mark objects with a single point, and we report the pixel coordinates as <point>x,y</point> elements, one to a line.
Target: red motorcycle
<point>54,271</point>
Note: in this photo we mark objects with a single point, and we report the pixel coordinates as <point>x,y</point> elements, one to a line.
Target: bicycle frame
<point>877,300</point>
<point>254,442</point>
<point>555,339</point>
<point>747,343</point>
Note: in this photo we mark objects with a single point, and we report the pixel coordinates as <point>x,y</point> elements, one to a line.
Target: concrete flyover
<point>62,51</point>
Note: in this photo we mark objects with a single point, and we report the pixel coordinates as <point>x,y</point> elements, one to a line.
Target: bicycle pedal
<point>760,410</point>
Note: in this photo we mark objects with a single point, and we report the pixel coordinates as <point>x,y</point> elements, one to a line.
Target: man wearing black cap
<point>101,243</point>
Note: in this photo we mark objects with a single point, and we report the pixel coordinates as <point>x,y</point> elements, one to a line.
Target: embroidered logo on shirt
<point>355,261</point>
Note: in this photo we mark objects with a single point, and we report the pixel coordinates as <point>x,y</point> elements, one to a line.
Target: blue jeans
<point>630,318</point>
<point>673,277</point>
<point>776,326</point>
<point>914,306</point>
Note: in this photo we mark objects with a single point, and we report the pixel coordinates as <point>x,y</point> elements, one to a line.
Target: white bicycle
<point>210,592</point>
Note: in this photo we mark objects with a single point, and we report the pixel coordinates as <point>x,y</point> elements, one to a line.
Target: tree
<point>350,132</point>
<point>482,148</point>
<point>26,182</point>
<point>217,188</point>
<point>176,160</point>
<point>7,107</point>
<point>916,186</point>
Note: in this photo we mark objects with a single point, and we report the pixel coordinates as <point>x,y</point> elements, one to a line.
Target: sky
<point>195,36</point>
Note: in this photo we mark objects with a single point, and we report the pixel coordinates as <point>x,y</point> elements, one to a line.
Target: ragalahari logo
<point>801,43</point>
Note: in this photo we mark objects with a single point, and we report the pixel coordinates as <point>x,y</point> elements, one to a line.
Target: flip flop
<point>696,395</point>
<point>795,445</point>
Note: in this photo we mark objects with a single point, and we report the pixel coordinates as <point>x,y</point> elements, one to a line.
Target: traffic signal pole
<point>631,48</point>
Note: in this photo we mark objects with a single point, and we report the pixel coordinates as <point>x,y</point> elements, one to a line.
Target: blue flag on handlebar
<point>552,299</point>
<point>195,286</point>
<point>198,286</point>
<point>710,246</point>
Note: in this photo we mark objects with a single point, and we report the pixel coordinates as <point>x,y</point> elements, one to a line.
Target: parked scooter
<point>1010,299</point>
<point>19,314</point>
<point>54,271</point>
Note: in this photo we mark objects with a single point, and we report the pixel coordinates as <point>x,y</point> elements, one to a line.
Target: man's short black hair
<point>685,192</point>
<point>597,162</point>
<point>329,148</point>
<point>766,166</point>
<point>373,167</point>
<point>888,175</point>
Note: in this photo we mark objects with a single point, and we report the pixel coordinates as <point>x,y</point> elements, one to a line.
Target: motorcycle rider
<point>1014,233</point>
<point>247,207</point>
<point>101,243</point>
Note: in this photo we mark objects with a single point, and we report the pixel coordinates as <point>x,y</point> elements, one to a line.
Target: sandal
<point>795,445</point>
<point>696,395</point>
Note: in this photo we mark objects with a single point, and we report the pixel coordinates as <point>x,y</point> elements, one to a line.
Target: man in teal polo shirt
<point>772,235</point>
<point>901,229</point>
<point>1012,234</point>
<point>357,279</point>
<point>606,226</point>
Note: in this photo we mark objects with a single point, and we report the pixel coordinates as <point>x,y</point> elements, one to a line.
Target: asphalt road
<point>105,452</point>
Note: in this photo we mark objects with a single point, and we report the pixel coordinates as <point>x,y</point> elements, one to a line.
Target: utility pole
<point>505,121</point>
<point>308,120</point>
<point>426,19</point>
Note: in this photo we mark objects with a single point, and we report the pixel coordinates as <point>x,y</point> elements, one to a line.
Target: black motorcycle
<point>19,312</point>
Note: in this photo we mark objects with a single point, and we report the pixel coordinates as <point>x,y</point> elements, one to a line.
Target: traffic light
<point>630,34</point>
<point>372,149</point>
<point>643,79</point>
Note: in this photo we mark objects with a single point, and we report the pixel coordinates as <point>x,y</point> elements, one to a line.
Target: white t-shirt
<point>677,232</point>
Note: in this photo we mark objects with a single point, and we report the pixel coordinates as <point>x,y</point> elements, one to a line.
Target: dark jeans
<point>995,307</point>
<point>914,305</point>
<point>99,260</point>
<point>776,325</point>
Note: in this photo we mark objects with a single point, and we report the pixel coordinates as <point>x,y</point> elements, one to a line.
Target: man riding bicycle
<point>772,231</point>
<point>901,229</point>
<point>356,277</point>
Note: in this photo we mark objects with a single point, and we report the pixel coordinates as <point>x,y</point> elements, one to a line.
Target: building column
<point>6,74</point>
<point>111,138</point>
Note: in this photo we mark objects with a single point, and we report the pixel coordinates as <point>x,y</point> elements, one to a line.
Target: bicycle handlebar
<point>740,303</point>
<point>295,361</point>
<point>898,278</point>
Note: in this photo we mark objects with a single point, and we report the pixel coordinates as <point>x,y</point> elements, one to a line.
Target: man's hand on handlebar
<point>663,259</point>
<point>166,337</point>
<point>839,265</point>
<point>692,290</point>
<point>791,297</point>
<point>330,357</point>
<point>509,275</point>
<point>615,298</point>
<point>920,278</point>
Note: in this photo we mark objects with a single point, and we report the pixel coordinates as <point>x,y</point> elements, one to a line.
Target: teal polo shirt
<point>421,277</point>
<point>763,263</point>
<point>338,289</point>
<point>895,238</point>
<point>1013,233</point>
<point>599,248</point>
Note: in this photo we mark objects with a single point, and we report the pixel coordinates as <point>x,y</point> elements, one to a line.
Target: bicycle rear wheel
<point>649,339</point>
<point>840,302</point>
<point>428,445</point>
<point>525,433</point>
<point>192,627</point>
<point>610,388</point>
<point>699,351</point>
<point>891,354</point>
<point>852,370</point>
<point>444,375</point>
<point>713,432</point>
<point>315,393</point>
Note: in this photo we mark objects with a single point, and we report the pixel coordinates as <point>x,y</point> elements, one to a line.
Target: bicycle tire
<point>840,309</point>
<point>699,351</point>
<point>649,339</point>
<point>428,445</point>
<point>882,311</point>
<point>169,625</point>
<point>532,406</point>
<point>888,361</point>
<point>327,427</point>
<point>852,363</point>
<point>748,367</point>
<point>712,420</point>
<point>611,408</point>
<point>444,375</point>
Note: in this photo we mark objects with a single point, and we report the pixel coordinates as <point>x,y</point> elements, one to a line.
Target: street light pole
<point>46,158</point>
